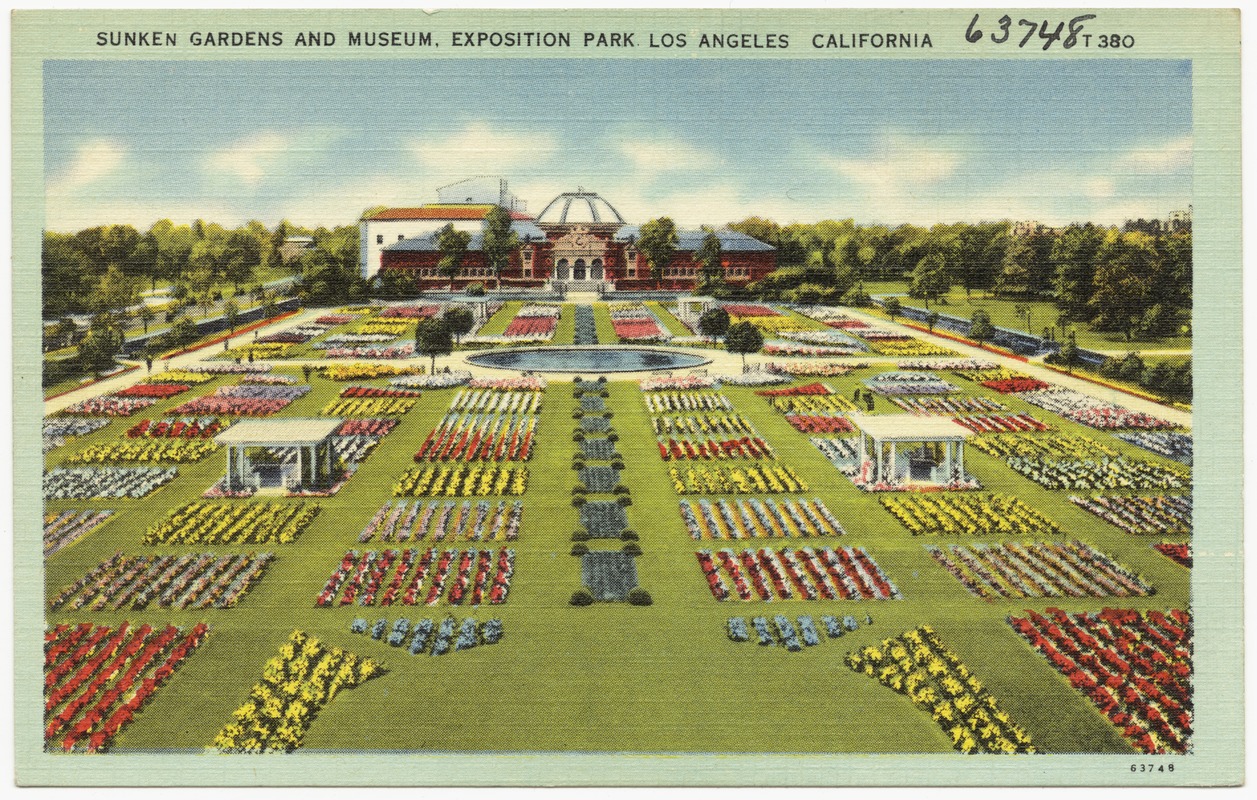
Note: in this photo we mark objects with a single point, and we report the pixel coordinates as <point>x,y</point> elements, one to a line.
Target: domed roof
<point>579,207</point>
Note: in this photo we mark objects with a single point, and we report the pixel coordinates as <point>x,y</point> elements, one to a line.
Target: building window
<point>379,238</point>
<point>400,237</point>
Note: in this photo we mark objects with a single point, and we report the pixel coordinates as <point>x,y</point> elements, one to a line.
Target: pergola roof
<point>910,428</point>
<point>279,432</point>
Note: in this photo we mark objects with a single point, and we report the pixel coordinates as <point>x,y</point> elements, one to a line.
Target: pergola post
<point>894,473</point>
<point>229,480</point>
<point>301,469</point>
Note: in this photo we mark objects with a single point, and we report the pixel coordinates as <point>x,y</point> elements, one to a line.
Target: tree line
<point>1126,281</point>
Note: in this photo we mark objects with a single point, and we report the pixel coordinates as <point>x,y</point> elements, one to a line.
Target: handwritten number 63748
<point>1044,29</point>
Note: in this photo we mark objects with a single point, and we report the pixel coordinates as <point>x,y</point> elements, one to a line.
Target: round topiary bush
<point>604,393</point>
<point>632,548</point>
<point>613,437</point>
<point>579,549</point>
<point>621,489</point>
<point>577,379</point>
<point>578,437</point>
<point>628,535</point>
<point>577,414</point>
<point>580,536</point>
<point>578,465</point>
<point>617,465</point>
<point>638,596</point>
<point>608,414</point>
<point>578,456</point>
<point>579,488</point>
<point>624,501</point>
<point>602,379</point>
<point>582,597</point>
<point>578,501</point>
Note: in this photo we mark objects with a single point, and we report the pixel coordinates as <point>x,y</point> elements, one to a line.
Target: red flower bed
<point>159,391</point>
<point>812,423</point>
<point>453,574</point>
<point>365,427</point>
<point>1014,385</point>
<point>749,310</point>
<point>192,428</point>
<point>794,391</point>
<point>371,391</point>
<point>636,329</point>
<point>1135,668</point>
<point>1176,551</point>
<point>97,678</point>
<point>532,326</point>
<point>335,319</point>
<point>410,312</point>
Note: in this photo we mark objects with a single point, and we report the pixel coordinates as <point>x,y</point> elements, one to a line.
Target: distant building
<point>1177,222</point>
<point>1180,221</point>
<point>294,246</point>
<point>578,242</point>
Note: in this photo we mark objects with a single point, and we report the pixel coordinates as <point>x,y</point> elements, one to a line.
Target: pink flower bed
<point>749,310</point>
<point>410,312</point>
<point>819,423</point>
<point>109,406</point>
<point>531,327</point>
<point>335,319</point>
<point>1002,423</point>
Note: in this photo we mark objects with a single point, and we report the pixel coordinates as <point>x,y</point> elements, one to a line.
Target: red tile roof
<point>440,212</point>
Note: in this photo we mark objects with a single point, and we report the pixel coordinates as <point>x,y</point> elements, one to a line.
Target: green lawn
<point>602,324</point>
<point>609,677</point>
<point>668,319</point>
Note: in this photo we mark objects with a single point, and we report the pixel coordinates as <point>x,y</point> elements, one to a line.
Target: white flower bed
<point>441,380</point>
<point>82,483</point>
<point>756,378</point>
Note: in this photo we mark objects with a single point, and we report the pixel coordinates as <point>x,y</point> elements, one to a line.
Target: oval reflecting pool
<point>593,359</point>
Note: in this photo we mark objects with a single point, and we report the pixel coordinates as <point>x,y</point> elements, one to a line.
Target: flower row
<point>896,347</point>
<point>781,631</point>
<point>187,377</point>
<point>788,350</point>
<point>1039,569</point>
<point>694,448</point>
<point>442,380</point>
<point>367,351</point>
<point>69,426</point>
<point>1002,423</point>
<point>157,391</point>
<point>462,480</point>
<point>946,406</point>
<point>757,377</point>
<point>517,396</point>
<point>1136,668</point>
<point>411,577</point>
<point>750,310</point>
<point>965,514</point>
<point>215,368</point>
<point>374,391</point>
<point>295,685</point>
<point>812,369</point>
<point>900,383</point>
<point>831,317</point>
<point>1115,473</point>
<point>356,372</point>
<point>755,518</point>
<point>365,427</point>
<point>97,678</point>
<point>492,437</point>
<point>414,522</point>
<point>368,407</point>
<point>768,478</point>
<point>667,401</point>
<point>703,424</point>
<point>678,383</point>
<point>233,523</point>
<point>382,327</point>
<point>952,364</point>
<point>185,428</point>
<point>1164,515</point>
<point>1092,411</point>
<point>1015,385</point>
<point>343,339</point>
<point>919,665</point>
<point>1177,446</point>
<point>109,406</point>
<point>83,483</point>
<point>844,573</point>
<point>426,311</point>
<point>192,580</point>
<point>63,529</point>
<point>144,451</point>
<point>428,636</point>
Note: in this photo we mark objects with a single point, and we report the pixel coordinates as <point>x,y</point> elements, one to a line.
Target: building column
<point>894,473</point>
<point>229,482</point>
<point>960,458</point>
<point>241,461</point>
<point>301,471</point>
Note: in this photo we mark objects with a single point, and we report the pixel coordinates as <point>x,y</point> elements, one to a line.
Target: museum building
<point>578,242</point>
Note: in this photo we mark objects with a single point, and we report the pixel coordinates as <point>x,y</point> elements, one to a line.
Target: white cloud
<point>94,160</point>
<point>900,166</point>
<point>479,149</point>
<point>252,158</point>
<point>666,154</point>
<point>1169,156</point>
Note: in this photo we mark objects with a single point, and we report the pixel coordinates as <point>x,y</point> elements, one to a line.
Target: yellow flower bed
<point>295,685</point>
<point>393,327</point>
<point>967,514</point>
<point>908,347</point>
<point>363,371</point>
<point>236,523</point>
<point>368,407</point>
<point>724,479</point>
<point>462,480</point>
<point>181,376</point>
<point>145,451</point>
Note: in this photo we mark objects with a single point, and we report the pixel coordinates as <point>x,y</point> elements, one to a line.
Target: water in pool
<point>565,359</point>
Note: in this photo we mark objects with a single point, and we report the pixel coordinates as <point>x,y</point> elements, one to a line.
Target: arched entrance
<point>595,269</point>
<point>561,269</point>
<point>578,270</point>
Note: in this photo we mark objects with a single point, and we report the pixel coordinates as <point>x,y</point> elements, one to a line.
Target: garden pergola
<point>933,448</point>
<point>311,438</point>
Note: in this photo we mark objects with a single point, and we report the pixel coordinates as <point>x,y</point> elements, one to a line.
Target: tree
<point>498,243</point>
<point>1014,275</point>
<point>231,315</point>
<point>657,242</point>
<point>1127,267</point>
<point>892,307</point>
<point>459,320</point>
<point>743,338</point>
<point>453,245</point>
<point>709,254</point>
<point>103,341</point>
<point>241,255</point>
<point>714,322</point>
<point>1023,311</point>
<point>1068,355</point>
<point>1074,254</point>
<point>981,330</point>
<point>930,278</point>
<point>432,339</point>
<point>931,319</point>
<point>146,316</point>
<point>113,292</point>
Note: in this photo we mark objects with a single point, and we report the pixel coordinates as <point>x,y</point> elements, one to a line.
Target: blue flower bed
<point>492,631</point>
<point>592,402</point>
<point>785,630</point>
<point>603,519</point>
<point>378,629</point>
<point>595,424</point>
<point>586,331</point>
<point>598,449</point>
<point>590,386</point>
<point>832,626</point>
<point>423,637</point>
<point>737,629</point>
<point>359,625</point>
<point>443,636</point>
<point>467,634</point>
<point>807,629</point>
<point>400,628</point>
<point>609,574</point>
<point>764,633</point>
<point>599,479</point>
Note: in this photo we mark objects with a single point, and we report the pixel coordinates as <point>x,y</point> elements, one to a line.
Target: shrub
<point>638,596</point>
<point>629,535</point>
<point>577,414</point>
<point>579,488</point>
<point>621,489</point>
<point>608,414</point>
<point>578,465</point>
<point>582,597</point>
<point>617,465</point>
<point>624,500</point>
<point>578,437</point>
<point>602,379</point>
<point>474,290</point>
<point>613,437</point>
<point>579,549</point>
<point>632,548</point>
<point>578,501</point>
<point>580,536</point>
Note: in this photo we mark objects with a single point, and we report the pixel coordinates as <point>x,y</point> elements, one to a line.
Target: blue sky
<point>705,141</point>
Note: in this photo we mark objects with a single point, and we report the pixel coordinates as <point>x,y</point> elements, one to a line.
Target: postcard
<point>640,397</point>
